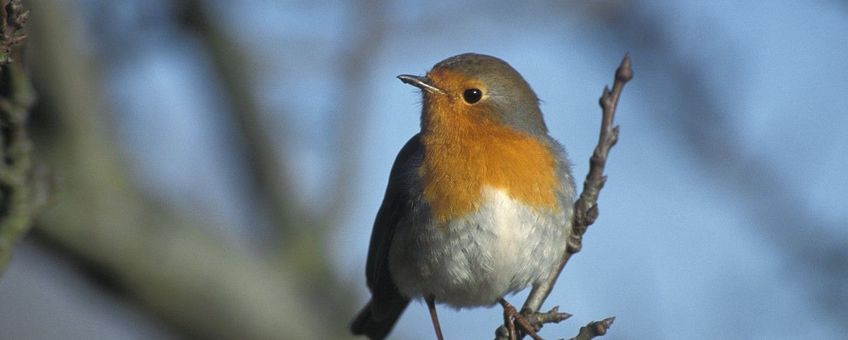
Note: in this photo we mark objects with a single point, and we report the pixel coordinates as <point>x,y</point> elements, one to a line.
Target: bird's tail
<point>377,327</point>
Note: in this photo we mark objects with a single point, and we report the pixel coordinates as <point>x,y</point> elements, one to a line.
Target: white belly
<point>474,260</point>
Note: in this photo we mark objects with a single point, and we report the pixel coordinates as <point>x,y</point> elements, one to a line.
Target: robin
<point>478,203</point>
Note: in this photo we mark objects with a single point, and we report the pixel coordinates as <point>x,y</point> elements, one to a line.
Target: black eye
<point>472,96</point>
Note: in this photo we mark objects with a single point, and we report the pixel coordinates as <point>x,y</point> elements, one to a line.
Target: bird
<point>478,203</point>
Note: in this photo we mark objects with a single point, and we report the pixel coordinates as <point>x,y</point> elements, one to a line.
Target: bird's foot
<point>513,317</point>
<point>537,319</point>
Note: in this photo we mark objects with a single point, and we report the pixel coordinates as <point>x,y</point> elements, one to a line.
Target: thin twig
<point>594,329</point>
<point>551,316</point>
<point>586,207</point>
<point>12,20</point>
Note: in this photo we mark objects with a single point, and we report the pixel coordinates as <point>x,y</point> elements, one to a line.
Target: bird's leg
<point>431,305</point>
<point>510,326</point>
<point>511,315</point>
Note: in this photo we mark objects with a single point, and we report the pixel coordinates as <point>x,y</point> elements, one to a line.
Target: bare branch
<point>267,177</point>
<point>594,329</point>
<point>586,207</point>
<point>196,281</point>
<point>708,130</point>
<point>12,20</point>
<point>551,316</point>
<point>357,64</point>
<point>19,192</point>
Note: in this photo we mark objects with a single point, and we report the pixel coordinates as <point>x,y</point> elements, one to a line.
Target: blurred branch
<point>586,207</point>
<point>802,236</point>
<point>268,179</point>
<point>21,189</point>
<point>198,283</point>
<point>371,24</point>
<point>301,234</point>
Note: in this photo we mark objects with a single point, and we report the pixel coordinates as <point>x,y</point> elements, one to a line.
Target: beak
<point>420,82</point>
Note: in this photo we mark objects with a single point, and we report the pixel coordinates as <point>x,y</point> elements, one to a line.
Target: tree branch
<point>586,207</point>
<point>300,231</point>
<point>199,283</point>
<point>12,20</point>
<point>267,177</point>
<point>594,329</point>
<point>817,253</point>
<point>19,190</point>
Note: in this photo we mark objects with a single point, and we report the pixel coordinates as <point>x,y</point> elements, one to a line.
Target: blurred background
<point>217,165</point>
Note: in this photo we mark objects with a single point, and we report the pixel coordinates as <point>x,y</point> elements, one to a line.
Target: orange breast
<point>465,154</point>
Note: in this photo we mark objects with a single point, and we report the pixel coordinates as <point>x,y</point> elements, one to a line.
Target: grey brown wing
<point>567,189</point>
<point>400,194</point>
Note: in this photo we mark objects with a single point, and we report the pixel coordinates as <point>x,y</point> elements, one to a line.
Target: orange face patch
<point>466,151</point>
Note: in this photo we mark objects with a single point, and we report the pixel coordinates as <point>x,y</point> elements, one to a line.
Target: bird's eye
<point>472,96</point>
